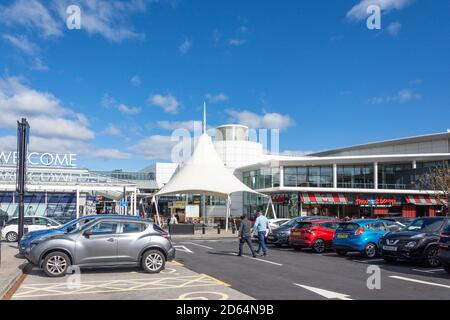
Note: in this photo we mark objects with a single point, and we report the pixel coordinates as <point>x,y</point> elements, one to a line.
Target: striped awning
<point>422,200</point>
<point>323,198</point>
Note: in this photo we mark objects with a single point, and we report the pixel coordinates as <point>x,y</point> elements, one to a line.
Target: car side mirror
<point>87,233</point>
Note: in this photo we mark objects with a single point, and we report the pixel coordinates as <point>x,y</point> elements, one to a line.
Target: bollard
<point>218,229</point>
<point>203,229</point>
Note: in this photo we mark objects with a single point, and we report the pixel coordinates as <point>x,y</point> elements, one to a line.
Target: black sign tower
<point>23,129</point>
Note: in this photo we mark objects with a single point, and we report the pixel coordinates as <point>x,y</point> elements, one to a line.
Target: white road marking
<point>183,249</point>
<point>199,245</point>
<point>428,271</point>
<point>325,293</point>
<point>368,261</point>
<point>420,281</point>
<point>266,261</point>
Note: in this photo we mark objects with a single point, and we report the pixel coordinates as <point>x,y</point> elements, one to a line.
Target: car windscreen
<point>425,225</point>
<point>291,223</point>
<point>82,226</point>
<point>348,226</point>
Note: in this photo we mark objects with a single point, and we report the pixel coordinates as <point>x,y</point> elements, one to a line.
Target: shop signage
<point>379,201</point>
<point>46,159</point>
<point>280,198</point>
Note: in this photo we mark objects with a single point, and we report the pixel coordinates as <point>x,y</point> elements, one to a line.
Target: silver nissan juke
<point>111,241</point>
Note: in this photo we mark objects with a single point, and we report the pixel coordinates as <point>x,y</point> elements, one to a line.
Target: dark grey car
<point>117,241</point>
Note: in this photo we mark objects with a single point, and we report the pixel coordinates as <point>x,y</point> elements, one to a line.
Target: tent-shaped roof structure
<point>204,173</point>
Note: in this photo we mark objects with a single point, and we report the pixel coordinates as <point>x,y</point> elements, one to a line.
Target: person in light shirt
<point>261,229</point>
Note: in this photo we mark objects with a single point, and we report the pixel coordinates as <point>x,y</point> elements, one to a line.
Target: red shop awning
<point>323,198</point>
<point>422,200</point>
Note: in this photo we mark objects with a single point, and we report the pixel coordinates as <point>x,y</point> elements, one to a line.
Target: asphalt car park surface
<point>174,283</point>
<point>289,274</point>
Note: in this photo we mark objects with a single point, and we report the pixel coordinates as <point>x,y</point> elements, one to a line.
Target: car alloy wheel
<point>319,246</point>
<point>370,250</point>
<point>12,237</point>
<point>56,264</point>
<point>153,261</point>
<point>432,259</point>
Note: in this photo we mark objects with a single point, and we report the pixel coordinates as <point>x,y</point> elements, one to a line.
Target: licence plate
<point>389,248</point>
<point>342,235</point>
<point>297,234</point>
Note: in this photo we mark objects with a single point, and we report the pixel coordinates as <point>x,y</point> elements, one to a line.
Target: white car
<point>10,230</point>
<point>275,223</point>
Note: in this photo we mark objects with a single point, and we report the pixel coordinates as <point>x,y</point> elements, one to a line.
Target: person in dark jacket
<point>245,236</point>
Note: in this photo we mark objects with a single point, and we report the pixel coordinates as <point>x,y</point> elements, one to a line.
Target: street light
<point>23,129</point>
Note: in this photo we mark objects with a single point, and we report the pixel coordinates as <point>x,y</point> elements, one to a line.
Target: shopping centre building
<point>376,178</point>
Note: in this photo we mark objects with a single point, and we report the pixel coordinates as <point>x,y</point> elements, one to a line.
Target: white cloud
<point>267,120</point>
<point>21,42</point>
<point>155,147</point>
<point>112,130</point>
<point>394,28</point>
<point>185,46</point>
<point>236,42</point>
<point>39,65</point>
<point>128,110</point>
<point>403,96</point>
<point>108,101</point>
<point>109,154</point>
<point>213,98</point>
<point>168,103</point>
<point>32,15</point>
<point>175,125</point>
<point>359,11</point>
<point>136,81</point>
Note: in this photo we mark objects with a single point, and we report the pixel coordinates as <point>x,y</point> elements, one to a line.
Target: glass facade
<point>123,175</point>
<point>319,177</point>
<point>264,178</point>
<point>395,175</point>
<point>356,176</point>
<point>58,206</point>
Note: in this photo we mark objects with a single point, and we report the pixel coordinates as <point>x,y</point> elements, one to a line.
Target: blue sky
<point>114,90</point>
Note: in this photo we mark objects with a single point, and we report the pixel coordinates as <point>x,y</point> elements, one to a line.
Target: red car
<point>316,235</point>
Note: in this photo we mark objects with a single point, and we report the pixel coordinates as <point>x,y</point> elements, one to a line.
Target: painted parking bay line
<point>432,271</point>
<point>183,249</point>
<point>421,281</point>
<point>198,245</point>
<point>325,293</point>
<point>257,259</point>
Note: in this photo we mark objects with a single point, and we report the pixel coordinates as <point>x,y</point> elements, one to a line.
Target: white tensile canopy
<point>204,173</point>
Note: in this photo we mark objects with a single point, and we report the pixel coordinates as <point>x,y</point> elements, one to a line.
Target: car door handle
<point>110,240</point>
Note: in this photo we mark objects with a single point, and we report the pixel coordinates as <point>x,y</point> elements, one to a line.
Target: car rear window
<point>348,226</point>
<point>425,225</point>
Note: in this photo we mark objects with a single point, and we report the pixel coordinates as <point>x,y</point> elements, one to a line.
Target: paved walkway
<point>210,234</point>
<point>11,266</point>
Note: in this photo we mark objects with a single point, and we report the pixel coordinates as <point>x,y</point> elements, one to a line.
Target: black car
<point>418,241</point>
<point>280,235</point>
<point>444,248</point>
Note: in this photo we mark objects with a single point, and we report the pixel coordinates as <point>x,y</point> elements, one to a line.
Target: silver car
<point>110,241</point>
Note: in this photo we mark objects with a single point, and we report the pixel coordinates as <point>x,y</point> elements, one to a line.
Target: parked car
<point>444,248</point>
<point>418,241</point>
<point>107,241</point>
<point>280,235</point>
<point>402,220</point>
<point>32,235</point>
<point>11,229</point>
<point>361,236</point>
<point>316,235</point>
<point>275,223</point>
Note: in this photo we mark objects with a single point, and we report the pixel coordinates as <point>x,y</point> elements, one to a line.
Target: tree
<point>438,179</point>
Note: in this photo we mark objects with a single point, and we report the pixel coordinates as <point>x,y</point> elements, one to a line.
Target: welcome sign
<point>46,159</point>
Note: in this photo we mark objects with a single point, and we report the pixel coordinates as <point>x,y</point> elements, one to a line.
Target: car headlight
<point>411,244</point>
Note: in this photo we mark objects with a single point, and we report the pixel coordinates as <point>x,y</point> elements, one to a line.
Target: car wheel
<point>12,236</point>
<point>56,264</point>
<point>390,259</point>
<point>318,246</point>
<point>341,252</point>
<point>446,267</point>
<point>153,261</point>
<point>431,258</point>
<point>370,250</point>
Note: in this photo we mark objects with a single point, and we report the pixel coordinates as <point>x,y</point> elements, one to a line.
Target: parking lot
<point>289,274</point>
<point>174,283</point>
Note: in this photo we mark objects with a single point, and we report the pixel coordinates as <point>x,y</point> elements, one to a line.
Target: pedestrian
<point>245,234</point>
<point>261,229</point>
<point>173,220</point>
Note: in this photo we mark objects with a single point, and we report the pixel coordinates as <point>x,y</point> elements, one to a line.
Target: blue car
<point>30,236</point>
<point>362,236</point>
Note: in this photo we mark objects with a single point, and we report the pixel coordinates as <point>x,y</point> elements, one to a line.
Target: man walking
<point>261,229</point>
<point>245,235</point>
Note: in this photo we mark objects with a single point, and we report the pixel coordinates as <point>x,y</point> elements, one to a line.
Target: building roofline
<point>411,139</point>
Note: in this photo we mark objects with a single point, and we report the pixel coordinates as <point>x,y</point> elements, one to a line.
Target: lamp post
<point>23,129</point>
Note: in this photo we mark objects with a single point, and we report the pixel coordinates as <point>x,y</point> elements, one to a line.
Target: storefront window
<point>394,176</point>
<point>264,178</point>
<point>320,176</point>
